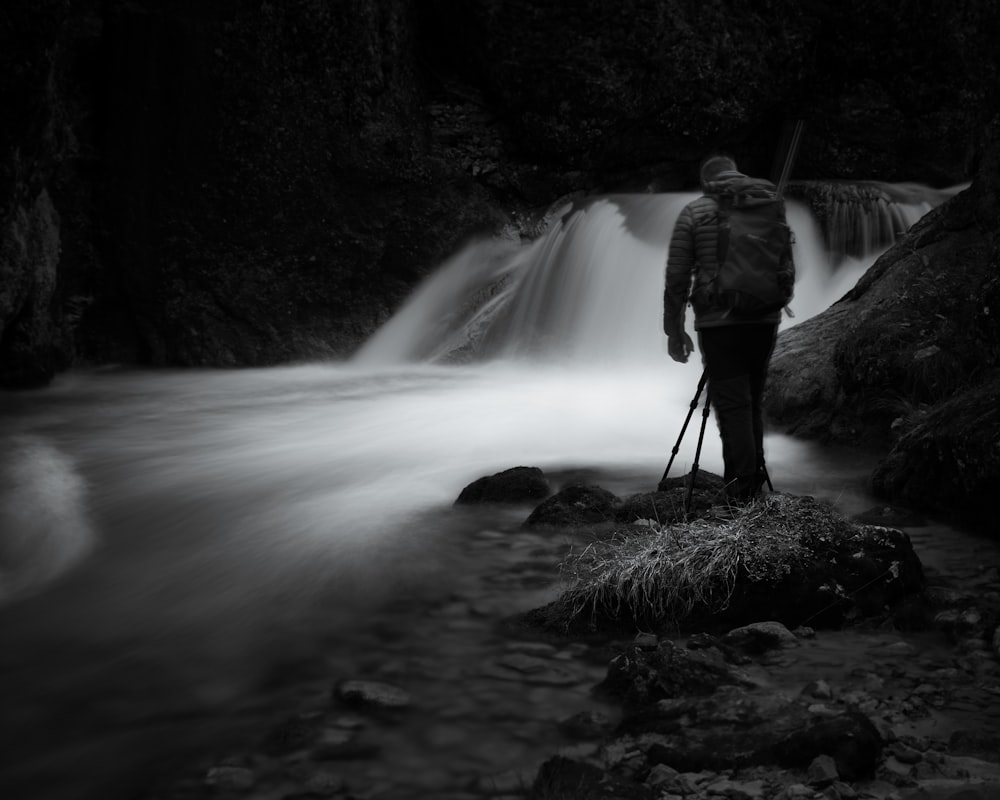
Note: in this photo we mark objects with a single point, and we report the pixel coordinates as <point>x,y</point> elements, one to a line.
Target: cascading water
<point>590,289</point>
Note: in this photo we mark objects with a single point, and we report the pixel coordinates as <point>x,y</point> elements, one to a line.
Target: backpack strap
<point>724,203</point>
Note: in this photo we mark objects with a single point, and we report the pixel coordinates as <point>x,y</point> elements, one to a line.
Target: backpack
<point>754,249</point>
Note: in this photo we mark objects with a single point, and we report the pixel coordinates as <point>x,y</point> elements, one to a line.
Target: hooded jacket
<point>692,259</point>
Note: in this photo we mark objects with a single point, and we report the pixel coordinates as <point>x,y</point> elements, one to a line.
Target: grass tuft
<point>664,572</point>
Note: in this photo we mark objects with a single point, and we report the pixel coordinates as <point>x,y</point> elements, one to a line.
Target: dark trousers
<point>736,358</point>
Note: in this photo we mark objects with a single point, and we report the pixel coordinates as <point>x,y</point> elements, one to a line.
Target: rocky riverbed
<point>445,698</point>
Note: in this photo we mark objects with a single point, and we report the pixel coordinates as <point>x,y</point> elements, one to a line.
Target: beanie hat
<point>714,166</point>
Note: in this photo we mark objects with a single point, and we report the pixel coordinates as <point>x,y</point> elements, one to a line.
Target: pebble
<point>230,779</point>
<point>822,771</point>
<point>372,693</point>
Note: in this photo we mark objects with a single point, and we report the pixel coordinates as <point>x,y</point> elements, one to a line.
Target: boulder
<point>515,486</point>
<point>786,559</point>
<point>577,505</point>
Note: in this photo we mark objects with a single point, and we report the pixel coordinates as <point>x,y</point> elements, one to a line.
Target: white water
<point>194,523</point>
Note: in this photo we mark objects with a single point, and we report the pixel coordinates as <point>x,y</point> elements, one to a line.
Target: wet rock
<point>731,728</point>
<point>640,676</point>
<point>293,734</point>
<point>822,771</point>
<point>515,486</point>
<point>819,689</point>
<point>334,744</point>
<point>372,694</point>
<point>563,777</point>
<point>979,744</point>
<point>530,670</point>
<point>736,790</point>
<point>230,779</point>
<point>851,739</point>
<point>759,637</point>
<point>800,562</point>
<point>586,725</point>
<point>575,505</point>
<point>669,503</point>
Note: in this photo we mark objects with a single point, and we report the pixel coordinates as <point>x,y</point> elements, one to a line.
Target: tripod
<point>701,439</point>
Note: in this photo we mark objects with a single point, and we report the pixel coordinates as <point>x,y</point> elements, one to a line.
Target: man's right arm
<point>680,266</point>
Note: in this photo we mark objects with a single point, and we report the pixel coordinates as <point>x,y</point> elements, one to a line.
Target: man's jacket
<point>693,255</point>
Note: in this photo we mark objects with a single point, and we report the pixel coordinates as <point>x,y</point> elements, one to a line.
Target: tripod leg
<point>694,405</point>
<point>697,453</point>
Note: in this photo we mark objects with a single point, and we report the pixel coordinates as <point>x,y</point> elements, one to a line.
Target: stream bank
<point>447,701</point>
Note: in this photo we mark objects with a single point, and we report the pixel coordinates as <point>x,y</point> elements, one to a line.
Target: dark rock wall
<point>245,182</point>
<point>909,360</point>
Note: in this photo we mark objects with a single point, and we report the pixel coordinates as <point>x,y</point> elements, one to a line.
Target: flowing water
<point>175,545</point>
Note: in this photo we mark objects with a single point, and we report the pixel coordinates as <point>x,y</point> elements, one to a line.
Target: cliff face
<point>243,183</point>
<point>910,358</point>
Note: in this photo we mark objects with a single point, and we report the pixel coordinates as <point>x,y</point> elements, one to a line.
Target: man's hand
<point>680,347</point>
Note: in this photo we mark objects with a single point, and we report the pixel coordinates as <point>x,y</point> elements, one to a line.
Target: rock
<point>819,689</point>
<point>586,725</point>
<point>796,791</point>
<point>978,744</point>
<point>801,562</point>
<point>661,774</point>
<point>293,734</point>
<point>529,670</point>
<point>736,790</point>
<point>230,779</point>
<point>850,739</point>
<point>729,729</point>
<point>639,676</point>
<point>904,754</point>
<point>822,771</point>
<point>563,777</point>
<point>759,637</point>
<point>372,694</point>
<point>574,506</point>
<point>668,504</point>
<point>515,486</point>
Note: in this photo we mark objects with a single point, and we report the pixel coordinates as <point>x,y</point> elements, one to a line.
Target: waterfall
<point>589,290</point>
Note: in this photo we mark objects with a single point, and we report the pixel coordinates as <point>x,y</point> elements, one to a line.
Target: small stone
<point>797,791</point>
<point>905,754</point>
<point>586,725</point>
<point>843,791</point>
<point>230,779</point>
<point>822,771</point>
<point>324,783</point>
<point>373,694</point>
<point>735,790</point>
<point>661,773</point>
<point>897,649</point>
<point>521,662</point>
<point>819,689</point>
<point>759,637</point>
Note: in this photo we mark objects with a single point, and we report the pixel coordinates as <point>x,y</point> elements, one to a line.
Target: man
<point>735,346</point>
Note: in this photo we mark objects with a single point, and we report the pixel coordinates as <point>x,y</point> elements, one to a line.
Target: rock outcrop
<point>909,360</point>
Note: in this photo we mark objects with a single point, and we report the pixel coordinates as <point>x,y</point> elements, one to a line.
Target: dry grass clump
<point>663,573</point>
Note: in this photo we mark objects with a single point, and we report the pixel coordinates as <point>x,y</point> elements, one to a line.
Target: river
<point>176,544</point>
